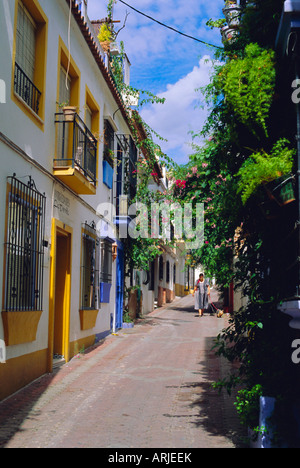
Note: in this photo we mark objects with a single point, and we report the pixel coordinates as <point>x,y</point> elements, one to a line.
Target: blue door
<point>120,286</point>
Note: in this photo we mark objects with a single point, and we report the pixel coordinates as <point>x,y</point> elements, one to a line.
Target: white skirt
<point>201,300</point>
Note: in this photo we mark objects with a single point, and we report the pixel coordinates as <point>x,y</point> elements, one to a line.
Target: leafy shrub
<point>249,84</point>
<point>263,168</point>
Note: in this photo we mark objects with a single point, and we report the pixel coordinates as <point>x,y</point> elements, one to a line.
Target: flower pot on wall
<point>232,13</point>
<point>69,113</point>
<point>105,46</point>
<point>128,325</point>
<point>228,34</point>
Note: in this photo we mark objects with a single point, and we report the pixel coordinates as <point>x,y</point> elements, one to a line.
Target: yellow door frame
<point>59,228</point>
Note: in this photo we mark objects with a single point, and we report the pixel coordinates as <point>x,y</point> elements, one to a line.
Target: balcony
<point>26,90</point>
<point>76,161</point>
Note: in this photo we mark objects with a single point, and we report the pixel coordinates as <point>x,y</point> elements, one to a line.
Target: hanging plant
<point>262,168</point>
<point>249,84</point>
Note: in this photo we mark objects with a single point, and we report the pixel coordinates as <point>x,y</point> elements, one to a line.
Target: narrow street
<point>146,387</point>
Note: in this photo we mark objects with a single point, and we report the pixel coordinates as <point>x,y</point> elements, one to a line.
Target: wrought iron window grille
<point>106,261</point>
<point>24,247</point>
<point>90,274</point>
<point>126,178</point>
<point>109,143</point>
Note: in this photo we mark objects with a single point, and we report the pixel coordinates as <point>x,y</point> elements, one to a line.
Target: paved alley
<point>146,387</point>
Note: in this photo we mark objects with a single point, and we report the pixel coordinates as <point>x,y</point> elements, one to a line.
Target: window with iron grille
<point>168,272</point>
<point>106,261</point>
<point>161,269</point>
<point>126,170</point>
<point>90,268</point>
<point>25,41</point>
<point>24,247</point>
<point>109,143</point>
<point>25,59</point>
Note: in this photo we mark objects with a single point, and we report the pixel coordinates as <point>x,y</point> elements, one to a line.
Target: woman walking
<point>201,293</point>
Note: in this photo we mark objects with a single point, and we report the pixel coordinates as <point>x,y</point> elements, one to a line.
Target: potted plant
<point>270,171</point>
<point>232,13</point>
<point>105,37</point>
<point>228,34</point>
<point>68,111</point>
<point>127,320</point>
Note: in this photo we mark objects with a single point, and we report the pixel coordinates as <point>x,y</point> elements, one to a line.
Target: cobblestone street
<point>146,387</point>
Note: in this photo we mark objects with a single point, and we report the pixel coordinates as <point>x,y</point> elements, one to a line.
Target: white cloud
<point>181,113</point>
<point>167,63</point>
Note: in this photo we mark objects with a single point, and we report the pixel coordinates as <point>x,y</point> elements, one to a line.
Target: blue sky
<point>167,63</point>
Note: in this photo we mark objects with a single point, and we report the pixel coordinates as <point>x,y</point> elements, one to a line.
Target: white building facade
<point>58,248</point>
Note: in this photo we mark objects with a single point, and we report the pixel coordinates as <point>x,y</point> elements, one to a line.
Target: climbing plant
<point>242,245</point>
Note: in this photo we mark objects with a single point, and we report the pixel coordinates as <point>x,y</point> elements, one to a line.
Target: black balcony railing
<point>26,89</point>
<point>76,147</point>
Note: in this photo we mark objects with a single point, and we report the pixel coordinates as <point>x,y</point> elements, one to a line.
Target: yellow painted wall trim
<point>20,327</point>
<point>72,177</point>
<point>88,319</point>
<point>20,371</point>
<point>74,73</point>
<point>94,107</point>
<point>58,227</point>
<point>81,344</point>
<point>41,19</point>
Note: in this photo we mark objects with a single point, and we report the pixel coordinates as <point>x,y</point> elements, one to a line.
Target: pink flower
<point>204,165</point>
<point>206,242</point>
<point>194,169</point>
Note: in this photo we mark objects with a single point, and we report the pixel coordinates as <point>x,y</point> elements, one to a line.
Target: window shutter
<point>25,41</point>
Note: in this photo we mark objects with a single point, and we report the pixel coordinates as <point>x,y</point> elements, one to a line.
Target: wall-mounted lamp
<point>114,251</point>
